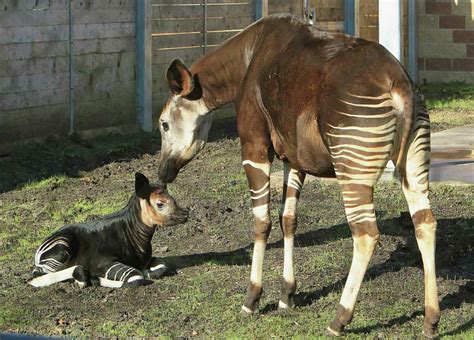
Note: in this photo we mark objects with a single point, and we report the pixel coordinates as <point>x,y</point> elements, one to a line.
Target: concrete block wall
<point>446,40</point>
<point>34,88</point>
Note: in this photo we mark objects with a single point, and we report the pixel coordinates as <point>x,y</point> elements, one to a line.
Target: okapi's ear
<point>142,185</point>
<point>180,79</point>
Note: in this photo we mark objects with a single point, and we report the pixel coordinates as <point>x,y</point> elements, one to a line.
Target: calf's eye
<point>165,126</point>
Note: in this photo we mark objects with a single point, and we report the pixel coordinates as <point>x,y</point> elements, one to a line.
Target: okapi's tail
<point>414,109</point>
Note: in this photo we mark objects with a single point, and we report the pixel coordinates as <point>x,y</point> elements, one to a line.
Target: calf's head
<point>184,122</point>
<point>157,207</point>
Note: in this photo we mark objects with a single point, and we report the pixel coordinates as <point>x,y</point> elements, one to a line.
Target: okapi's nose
<point>168,171</point>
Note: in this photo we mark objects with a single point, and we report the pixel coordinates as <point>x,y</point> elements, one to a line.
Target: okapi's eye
<point>165,126</point>
<point>160,205</point>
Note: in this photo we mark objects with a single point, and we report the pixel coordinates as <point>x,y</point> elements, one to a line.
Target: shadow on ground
<point>71,155</point>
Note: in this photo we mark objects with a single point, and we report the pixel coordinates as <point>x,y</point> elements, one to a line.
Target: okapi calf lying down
<point>113,251</point>
<point>326,104</point>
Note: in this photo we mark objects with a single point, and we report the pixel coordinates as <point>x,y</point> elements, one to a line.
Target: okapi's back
<point>315,85</point>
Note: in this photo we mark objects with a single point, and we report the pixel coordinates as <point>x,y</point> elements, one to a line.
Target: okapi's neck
<point>138,232</point>
<point>222,71</point>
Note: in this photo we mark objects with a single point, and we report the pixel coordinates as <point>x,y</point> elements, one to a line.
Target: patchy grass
<point>210,256</point>
<point>450,105</point>
<point>450,96</point>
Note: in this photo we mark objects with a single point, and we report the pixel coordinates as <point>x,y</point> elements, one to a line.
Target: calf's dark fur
<point>113,251</point>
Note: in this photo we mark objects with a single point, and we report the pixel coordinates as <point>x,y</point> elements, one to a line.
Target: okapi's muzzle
<point>168,170</point>
<point>179,215</point>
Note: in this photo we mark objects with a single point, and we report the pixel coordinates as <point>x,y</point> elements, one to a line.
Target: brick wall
<point>446,40</point>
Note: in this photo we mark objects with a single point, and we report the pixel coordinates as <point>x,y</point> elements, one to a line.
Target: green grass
<point>50,181</point>
<point>450,96</point>
<point>450,105</point>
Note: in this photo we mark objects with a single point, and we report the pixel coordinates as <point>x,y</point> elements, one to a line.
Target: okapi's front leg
<point>155,270</point>
<point>116,274</point>
<point>292,185</point>
<point>257,168</point>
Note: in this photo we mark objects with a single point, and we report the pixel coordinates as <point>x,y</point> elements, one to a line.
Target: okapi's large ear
<point>180,79</point>
<point>142,185</point>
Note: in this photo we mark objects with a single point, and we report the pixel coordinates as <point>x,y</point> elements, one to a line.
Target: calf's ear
<point>142,185</point>
<point>180,79</point>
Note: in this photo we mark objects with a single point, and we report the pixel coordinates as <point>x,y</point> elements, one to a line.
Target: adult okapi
<point>326,104</point>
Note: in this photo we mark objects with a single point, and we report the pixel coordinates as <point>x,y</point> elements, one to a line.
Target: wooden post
<point>144,56</point>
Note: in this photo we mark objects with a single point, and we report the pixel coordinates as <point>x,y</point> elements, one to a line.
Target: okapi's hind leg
<point>292,185</point>
<point>51,260</point>
<point>257,168</point>
<point>414,172</point>
<point>358,202</point>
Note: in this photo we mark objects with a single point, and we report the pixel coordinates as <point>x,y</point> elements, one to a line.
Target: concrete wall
<point>446,40</point>
<point>34,74</point>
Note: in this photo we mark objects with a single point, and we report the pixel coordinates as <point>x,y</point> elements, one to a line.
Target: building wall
<point>446,40</point>
<point>34,89</point>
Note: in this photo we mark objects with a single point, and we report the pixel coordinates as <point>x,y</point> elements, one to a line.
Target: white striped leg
<point>120,275</point>
<point>258,176</point>
<point>292,185</point>
<point>415,183</point>
<point>361,217</point>
<point>74,272</point>
<point>52,255</point>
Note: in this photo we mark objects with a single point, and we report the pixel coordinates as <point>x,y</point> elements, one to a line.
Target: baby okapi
<point>113,251</point>
<point>326,104</point>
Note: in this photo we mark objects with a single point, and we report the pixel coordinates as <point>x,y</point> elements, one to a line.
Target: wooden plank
<point>27,34</point>
<point>158,3</point>
<point>60,17</point>
<point>32,122</point>
<point>196,24</point>
<point>188,54</point>
<point>190,39</point>
<point>60,48</point>
<point>196,10</point>
<point>19,5</point>
<point>59,95</point>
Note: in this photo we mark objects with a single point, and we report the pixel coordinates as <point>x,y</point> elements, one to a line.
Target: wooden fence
<point>34,50</point>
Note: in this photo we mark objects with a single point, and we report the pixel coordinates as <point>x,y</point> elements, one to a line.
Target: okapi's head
<point>184,122</point>
<point>157,207</point>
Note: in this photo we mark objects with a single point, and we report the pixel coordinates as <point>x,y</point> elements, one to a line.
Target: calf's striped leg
<point>414,173</point>
<point>258,176</point>
<point>292,185</point>
<point>116,275</point>
<point>52,254</point>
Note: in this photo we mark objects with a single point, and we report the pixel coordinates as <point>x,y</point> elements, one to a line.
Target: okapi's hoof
<point>247,311</point>
<point>283,305</point>
<point>332,332</point>
<point>137,283</point>
<point>430,333</point>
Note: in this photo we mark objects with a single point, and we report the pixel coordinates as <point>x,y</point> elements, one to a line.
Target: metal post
<point>71,64</point>
<point>204,45</point>
<point>412,41</point>
<point>261,9</point>
<point>390,26</point>
<point>349,17</point>
<point>144,56</point>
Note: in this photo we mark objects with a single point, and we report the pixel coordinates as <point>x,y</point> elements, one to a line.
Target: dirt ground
<point>44,186</point>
